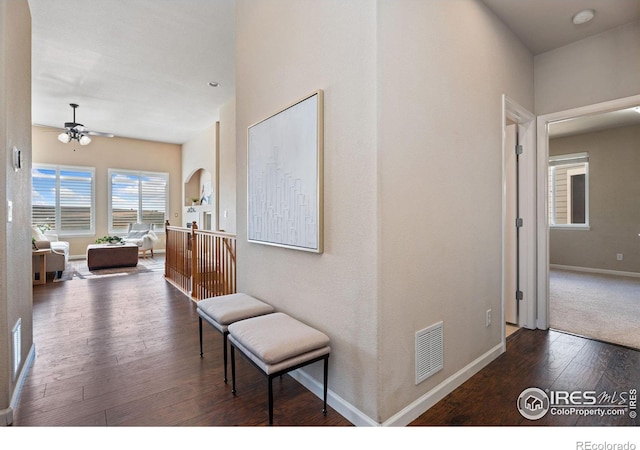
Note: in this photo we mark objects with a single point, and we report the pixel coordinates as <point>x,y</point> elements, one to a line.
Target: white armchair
<point>140,234</point>
<point>59,256</point>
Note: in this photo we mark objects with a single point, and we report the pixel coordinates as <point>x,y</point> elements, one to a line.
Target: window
<point>137,197</point>
<point>63,198</point>
<point>569,191</point>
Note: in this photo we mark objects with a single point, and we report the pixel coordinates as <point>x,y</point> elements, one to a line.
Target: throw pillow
<point>37,234</point>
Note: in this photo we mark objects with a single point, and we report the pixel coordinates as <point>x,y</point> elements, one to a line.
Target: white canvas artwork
<point>285,177</point>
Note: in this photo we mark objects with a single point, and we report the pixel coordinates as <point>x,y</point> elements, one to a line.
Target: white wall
<point>15,186</point>
<point>442,69</point>
<point>286,50</point>
<point>413,178</point>
<point>614,216</point>
<point>197,153</point>
<point>596,69</point>
<point>227,168</point>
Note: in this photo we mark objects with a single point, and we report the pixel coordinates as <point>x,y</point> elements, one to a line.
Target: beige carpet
<point>603,307</point>
<point>78,269</point>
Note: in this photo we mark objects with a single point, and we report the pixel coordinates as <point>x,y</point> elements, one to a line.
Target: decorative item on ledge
<point>113,240</point>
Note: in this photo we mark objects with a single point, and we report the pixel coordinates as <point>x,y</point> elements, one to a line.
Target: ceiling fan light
<point>64,138</point>
<point>85,140</point>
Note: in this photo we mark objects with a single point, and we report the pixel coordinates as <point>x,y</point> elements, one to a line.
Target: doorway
<point>580,208</point>
<point>519,218</point>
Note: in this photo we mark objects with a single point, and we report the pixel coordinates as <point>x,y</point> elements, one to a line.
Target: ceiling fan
<point>76,131</point>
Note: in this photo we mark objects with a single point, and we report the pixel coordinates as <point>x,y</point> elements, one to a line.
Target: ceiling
<point>137,68</point>
<point>543,25</point>
<point>141,68</point>
<point>596,122</point>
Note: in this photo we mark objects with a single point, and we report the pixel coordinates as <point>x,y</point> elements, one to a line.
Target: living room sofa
<point>57,260</point>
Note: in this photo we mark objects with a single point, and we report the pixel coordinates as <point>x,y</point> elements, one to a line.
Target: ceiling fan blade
<point>98,133</point>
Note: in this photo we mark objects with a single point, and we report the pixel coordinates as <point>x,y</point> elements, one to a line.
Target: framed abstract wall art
<point>284,177</point>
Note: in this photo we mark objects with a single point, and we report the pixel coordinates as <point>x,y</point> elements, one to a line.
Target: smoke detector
<point>584,16</point>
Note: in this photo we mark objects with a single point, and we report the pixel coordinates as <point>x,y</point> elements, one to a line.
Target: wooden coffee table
<point>104,256</point>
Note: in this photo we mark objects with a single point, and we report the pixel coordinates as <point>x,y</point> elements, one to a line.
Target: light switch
<point>9,211</point>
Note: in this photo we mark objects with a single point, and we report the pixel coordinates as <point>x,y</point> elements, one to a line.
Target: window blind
<point>62,198</point>
<point>138,197</point>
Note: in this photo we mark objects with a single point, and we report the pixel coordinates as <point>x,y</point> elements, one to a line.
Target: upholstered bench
<point>224,310</point>
<point>276,344</point>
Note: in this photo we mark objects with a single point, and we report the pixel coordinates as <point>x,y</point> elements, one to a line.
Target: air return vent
<point>16,338</point>
<point>429,352</point>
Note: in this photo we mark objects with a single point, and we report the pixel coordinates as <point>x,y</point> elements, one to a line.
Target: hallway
<point>123,351</point>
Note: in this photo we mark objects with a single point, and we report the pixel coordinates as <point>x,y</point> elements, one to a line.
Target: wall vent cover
<point>429,351</point>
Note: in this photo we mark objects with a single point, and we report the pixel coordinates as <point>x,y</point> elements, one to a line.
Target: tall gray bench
<point>276,344</point>
<point>224,310</point>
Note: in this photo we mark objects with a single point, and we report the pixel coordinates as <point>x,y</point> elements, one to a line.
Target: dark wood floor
<point>123,351</point>
<point>546,360</point>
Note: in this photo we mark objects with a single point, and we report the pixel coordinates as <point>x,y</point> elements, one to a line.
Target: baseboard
<point>6,415</point>
<point>410,412</point>
<point>421,405</point>
<point>344,408</point>
<point>593,270</point>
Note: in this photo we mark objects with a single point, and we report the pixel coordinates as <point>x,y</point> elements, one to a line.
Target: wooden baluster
<point>167,253</point>
<point>194,261</point>
<point>200,263</point>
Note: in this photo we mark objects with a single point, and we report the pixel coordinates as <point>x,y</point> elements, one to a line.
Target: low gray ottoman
<point>223,310</point>
<point>276,344</point>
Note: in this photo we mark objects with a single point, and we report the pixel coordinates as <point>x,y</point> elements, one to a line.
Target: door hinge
<point>519,222</point>
<point>519,295</point>
<point>519,149</point>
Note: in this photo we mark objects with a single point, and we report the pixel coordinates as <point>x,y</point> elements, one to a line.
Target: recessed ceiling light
<point>584,16</point>
<point>214,84</point>
<point>637,109</point>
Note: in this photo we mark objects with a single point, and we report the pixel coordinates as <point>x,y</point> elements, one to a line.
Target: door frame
<point>543,123</point>
<point>526,137</point>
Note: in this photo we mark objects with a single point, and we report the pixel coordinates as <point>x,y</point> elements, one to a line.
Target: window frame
<point>570,159</point>
<point>139,174</point>
<point>58,210</point>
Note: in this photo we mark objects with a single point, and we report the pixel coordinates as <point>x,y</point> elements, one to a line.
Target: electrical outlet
<point>619,256</point>
<point>488,318</point>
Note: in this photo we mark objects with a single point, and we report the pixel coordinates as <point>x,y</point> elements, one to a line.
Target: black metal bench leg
<point>326,374</point>
<point>224,353</point>
<point>200,328</point>
<point>270,400</point>
<point>233,370</point>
